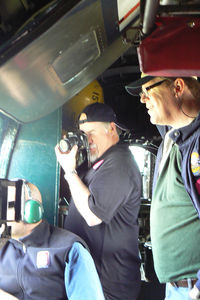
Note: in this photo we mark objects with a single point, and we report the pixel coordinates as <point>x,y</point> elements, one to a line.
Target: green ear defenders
<point>33,209</point>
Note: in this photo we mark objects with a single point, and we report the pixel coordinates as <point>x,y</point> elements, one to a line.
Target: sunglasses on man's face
<point>145,91</point>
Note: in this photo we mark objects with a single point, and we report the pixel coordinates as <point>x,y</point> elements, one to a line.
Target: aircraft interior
<point>58,56</point>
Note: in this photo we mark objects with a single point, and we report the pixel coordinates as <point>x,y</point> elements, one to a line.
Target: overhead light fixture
<point>75,59</point>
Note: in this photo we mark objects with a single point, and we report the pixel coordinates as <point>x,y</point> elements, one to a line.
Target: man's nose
<point>89,138</point>
<point>144,98</point>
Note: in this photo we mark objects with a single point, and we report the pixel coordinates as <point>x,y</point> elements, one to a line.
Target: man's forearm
<point>79,190</point>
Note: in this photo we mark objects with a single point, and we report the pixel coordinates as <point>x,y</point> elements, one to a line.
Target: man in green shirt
<point>174,104</point>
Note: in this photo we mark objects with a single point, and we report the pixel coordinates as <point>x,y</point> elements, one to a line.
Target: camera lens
<point>64,146</point>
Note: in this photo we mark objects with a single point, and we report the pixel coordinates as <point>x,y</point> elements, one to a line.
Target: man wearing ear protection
<point>173,104</point>
<point>42,261</point>
<point>105,202</point>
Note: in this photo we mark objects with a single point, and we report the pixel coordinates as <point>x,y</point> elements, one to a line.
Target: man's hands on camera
<point>194,293</point>
<point>67,160</point>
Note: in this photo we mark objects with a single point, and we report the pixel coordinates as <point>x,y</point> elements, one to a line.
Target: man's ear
<point>112,127</point>
<point>179,86</point>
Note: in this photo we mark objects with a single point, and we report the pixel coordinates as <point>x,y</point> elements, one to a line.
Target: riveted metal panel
<point>47,72</point>
<point>34,159</point>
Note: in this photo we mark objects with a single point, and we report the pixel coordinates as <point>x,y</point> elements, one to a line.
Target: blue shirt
<point>81,279</point>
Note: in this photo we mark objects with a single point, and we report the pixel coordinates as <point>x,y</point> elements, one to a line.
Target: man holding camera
<point>42,261</point>
<point>105,202</point>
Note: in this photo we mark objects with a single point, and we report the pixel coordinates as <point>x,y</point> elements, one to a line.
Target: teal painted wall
<point>34,159</point>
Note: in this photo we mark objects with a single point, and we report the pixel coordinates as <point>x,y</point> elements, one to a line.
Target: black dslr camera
<point>78,138</point>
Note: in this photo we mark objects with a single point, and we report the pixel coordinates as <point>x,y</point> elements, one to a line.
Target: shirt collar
<point>39,235</point>
<point>181,134</point>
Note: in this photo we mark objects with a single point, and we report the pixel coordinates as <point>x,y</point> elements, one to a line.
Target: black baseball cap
<point>134,88</point>
<point>99,112</point>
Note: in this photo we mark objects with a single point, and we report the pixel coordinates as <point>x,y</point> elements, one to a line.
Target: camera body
<point>78,138</point>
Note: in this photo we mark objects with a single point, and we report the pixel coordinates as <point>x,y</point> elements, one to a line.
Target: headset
<point>32,210</point>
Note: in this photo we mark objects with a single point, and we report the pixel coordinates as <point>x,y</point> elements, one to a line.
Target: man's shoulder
<point>121,154</point>
<point>120,160</point>
<point>61,235</point>
<point>112,154</point>
<point>118,150</point>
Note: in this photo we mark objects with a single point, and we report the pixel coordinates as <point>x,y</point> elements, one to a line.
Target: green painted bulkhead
<point>27,151</point>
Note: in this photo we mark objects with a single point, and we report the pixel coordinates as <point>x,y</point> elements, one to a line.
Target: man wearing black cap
<point>173,104</point>
<point>106,201</point>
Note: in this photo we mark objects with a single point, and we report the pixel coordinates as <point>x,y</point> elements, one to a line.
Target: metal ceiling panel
<point>58,64</point>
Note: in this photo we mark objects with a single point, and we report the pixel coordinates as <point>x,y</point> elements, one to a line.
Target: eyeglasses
<point>145,91</point>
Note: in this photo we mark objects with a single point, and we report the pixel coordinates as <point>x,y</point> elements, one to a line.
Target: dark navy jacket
<point>33,268</point>
<point>188,140</point>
